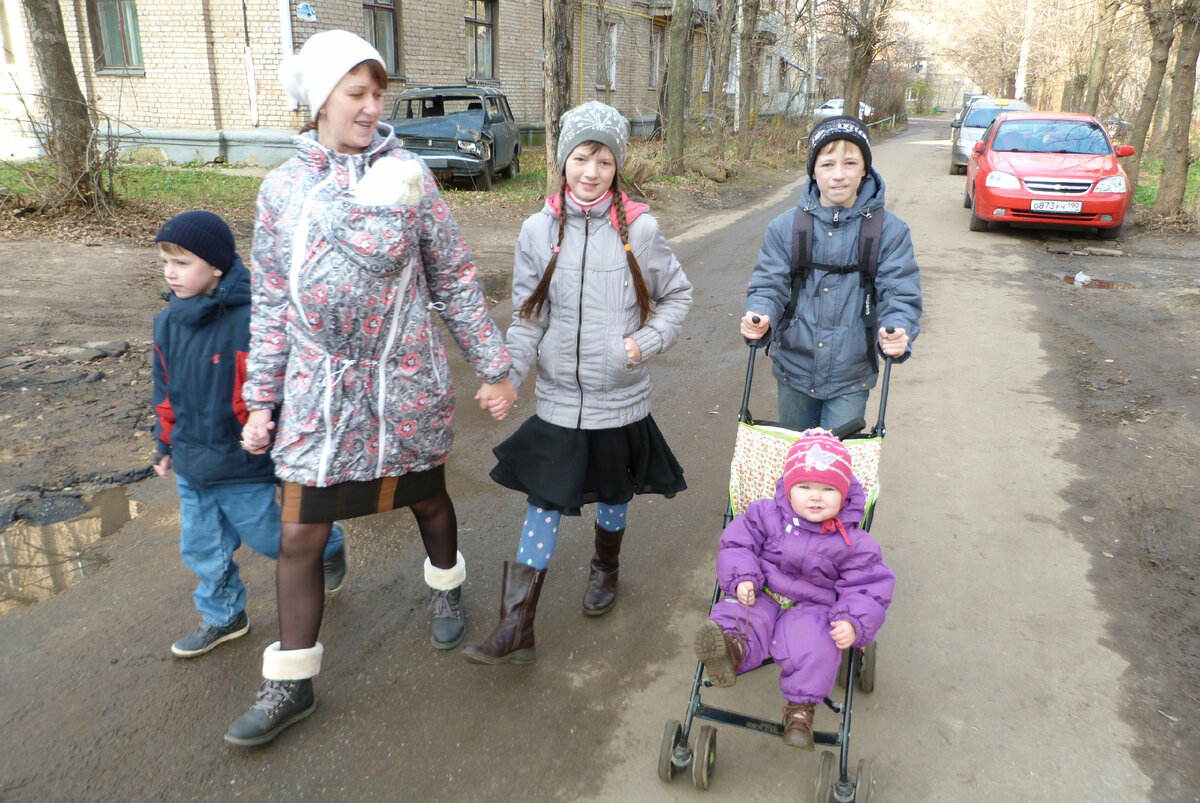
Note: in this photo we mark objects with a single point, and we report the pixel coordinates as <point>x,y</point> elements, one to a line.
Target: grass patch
<point>1146,192</point>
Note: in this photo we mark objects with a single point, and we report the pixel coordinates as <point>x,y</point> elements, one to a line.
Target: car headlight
<point>470,146</point>
<point>1002,181</point>
<point>1111,184</point>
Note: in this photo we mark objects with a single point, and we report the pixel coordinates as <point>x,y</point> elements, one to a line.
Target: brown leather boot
<point>721,651</point>
<point>512,640</point>
<point>798,725</point>
<point>601,592</point>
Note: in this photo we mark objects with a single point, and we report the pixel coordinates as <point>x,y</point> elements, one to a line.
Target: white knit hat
<point>310,75</point>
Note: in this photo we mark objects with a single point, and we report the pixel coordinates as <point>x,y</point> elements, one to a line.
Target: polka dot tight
<point>539,536</point>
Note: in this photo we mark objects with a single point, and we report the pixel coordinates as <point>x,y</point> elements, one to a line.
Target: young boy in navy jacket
<point>226,494</point>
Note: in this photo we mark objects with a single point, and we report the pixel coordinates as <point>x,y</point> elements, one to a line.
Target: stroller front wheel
<point>705,757</point>
<point>823,789</point>
<point>671,739</point>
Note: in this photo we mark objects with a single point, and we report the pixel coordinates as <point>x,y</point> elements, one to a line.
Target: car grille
<point>1058,186</point>
<point>1047,217</point>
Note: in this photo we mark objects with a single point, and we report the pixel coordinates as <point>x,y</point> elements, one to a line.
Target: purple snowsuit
<point>830,577</point>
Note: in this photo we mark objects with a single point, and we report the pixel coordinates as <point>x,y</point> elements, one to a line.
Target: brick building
<point>196,79</point>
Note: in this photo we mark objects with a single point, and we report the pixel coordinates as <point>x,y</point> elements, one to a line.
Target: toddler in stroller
<point>803,581</point>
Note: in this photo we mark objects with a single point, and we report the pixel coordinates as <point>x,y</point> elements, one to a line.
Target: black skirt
<point>304,504</point>
<point>563,469</point>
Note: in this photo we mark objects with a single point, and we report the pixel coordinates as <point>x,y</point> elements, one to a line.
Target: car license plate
<point>1068,207</point>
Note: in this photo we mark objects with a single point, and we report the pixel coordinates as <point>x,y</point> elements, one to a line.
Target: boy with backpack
<point>837,281</point>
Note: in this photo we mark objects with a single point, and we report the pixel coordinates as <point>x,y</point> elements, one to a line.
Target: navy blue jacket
<point>200,348</point>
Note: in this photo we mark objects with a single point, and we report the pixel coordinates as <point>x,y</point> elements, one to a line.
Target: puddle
<point>1081,279</point>
<point>37,562</point>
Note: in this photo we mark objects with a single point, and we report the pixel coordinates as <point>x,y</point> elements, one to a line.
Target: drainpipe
<point>251,85</point>
<point>285,41</point>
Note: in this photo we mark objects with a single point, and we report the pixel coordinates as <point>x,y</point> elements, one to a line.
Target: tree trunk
<point>677,77</point>
<point>1103,44</point>
<point>69,143</point>
<point>556,67</point>
<point>1158,128</point>
<point>747,77</point>
<point>1177,157</point>
<point>722,47</point>
<point>1162,32</point>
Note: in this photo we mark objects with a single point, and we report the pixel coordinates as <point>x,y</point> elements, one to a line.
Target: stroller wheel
<point>705,757</point>
<point>864,782</point>
<point>866,671</point>
<point>823,789</point>
<point>672,737</point>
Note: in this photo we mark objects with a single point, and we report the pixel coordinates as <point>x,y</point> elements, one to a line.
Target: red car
<point>1049,168</point>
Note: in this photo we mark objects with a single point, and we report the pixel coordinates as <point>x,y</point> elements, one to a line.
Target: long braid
<point>645,305</point>
<point>537,299</point>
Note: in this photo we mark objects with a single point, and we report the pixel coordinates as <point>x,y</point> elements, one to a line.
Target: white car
<point>833,108</point>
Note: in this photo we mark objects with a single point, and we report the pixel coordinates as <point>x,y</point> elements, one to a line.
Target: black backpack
<point>869,235</point>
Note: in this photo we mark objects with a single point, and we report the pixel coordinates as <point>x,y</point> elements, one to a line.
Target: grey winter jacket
<point>822,351</point>
<point>584,378</point>
<point>342,337</point>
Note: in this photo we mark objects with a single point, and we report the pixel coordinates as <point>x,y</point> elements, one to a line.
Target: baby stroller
<point>760,451</point>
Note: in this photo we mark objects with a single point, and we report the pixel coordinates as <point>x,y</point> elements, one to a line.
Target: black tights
<point>299,576</point>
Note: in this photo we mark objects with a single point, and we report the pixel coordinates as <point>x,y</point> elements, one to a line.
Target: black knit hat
<point>844,127</point>
<point>202,233</point>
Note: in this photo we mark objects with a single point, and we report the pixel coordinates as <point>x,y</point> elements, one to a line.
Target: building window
<point>119,42</point>
<point>606,58</point>
<point>381,27</point>
<point>766,74</point>
<point>657,37</point>
<point>481,36</point>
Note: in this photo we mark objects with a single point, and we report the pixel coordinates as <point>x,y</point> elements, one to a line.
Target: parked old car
<point>965,133</point>
<point>833,108</point>
<point>460,131</point>
<point>1049,168</point>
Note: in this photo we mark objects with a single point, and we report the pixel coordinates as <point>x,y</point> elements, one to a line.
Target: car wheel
<point>1110,234</point>
<point>977,223</point>
<point>514,167</point>
<point>967,195</point>
<point>953,169</point>
<point>483,181</point>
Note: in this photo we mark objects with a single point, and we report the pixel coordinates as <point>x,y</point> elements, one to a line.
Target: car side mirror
<point>977,147</point>
<point>956,123</point>
<point>1125,150</point>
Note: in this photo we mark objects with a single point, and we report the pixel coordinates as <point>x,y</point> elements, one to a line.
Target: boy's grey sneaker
<point>280,703</point>
<point>207,636</point>
<point>449,619</point>
<point>335,571</point>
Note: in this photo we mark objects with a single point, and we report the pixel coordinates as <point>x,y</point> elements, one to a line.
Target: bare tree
<point>70,143</point>
<point>677,76</point>
<point>719,28</point>
<point>1161,22</point>
<point>747,75</point>
<point>1177,156</point>
<point>1100,50</point>
<point>861,24</point>
<point>557,16</point>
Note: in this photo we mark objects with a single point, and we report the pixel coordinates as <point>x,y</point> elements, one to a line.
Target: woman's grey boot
<point>284,698</point>
<point>449,617</point>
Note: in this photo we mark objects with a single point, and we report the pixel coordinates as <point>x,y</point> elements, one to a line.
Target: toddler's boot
<point>512,640</point>
<point>721,651</point>
<point>284,698</point>
<point>601,592</point>
<point>449,618</point>
<point>798,725</point>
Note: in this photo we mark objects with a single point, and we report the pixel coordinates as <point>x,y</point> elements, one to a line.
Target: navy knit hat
<point>202,233</point>
<point>845,127</point>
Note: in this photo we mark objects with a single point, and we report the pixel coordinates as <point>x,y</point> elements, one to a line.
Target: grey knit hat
<point>593,122</point>
<point>845,127</point>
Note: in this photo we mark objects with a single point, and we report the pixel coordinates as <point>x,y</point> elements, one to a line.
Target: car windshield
<point>1051,136</point>
<point>438,105</point>
<point>982,118</point>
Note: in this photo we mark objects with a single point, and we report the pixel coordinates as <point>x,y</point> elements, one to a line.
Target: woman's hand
<point>893,343</point>
<point>256,434</point>
<point>754,325</point>
<point>632,351</point>
<point>843,634</point>
<point>498,398</point>
<point>745,592</point>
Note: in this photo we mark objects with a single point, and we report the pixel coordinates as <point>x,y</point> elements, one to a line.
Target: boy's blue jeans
<point>214,522</point>
<point>799,411</point>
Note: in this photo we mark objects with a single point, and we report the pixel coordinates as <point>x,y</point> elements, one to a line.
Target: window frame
<point>100,45</point>
<point>658,35</point>
<point>606,45</point>
<point>392,7</point>
<point>473,24</point>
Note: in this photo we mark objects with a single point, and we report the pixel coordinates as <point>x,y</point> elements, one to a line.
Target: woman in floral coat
<point>347,374</point>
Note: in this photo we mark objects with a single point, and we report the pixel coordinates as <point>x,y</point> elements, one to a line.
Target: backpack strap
<point>869,235</point>
<point>802,234</point>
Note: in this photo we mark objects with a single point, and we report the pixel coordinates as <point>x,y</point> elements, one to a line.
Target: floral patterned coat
<point>342,341</point>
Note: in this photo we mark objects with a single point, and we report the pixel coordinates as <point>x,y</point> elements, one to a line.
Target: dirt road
<point>1036,507</point>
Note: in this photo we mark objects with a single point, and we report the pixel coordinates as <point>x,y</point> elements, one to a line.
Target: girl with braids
<point>596,293</point>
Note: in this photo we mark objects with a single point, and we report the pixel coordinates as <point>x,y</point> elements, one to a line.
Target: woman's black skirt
<point>563,469</point>
<point>303,504</point>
